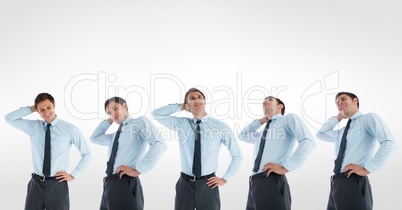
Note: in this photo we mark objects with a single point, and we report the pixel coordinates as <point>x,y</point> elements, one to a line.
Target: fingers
<point>269,172</point>
<point>62,176</point>
<point>266,167</point>
<point>120,171</point>
<point>356,169</point>
<point>213,186</point>
<point>121,175</point>
<point>59,173</point>
<point>123,172</point>
<point>127,170</point>
<point>213,182</point>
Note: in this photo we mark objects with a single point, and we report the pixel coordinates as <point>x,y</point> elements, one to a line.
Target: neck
<point>271,114</point>
<point>199,115</point>
<point>351,114</point>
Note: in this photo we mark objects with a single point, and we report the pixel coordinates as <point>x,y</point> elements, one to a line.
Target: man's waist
<point>263,175</point>
<point>116,176</point>
<point>42,178</point>
<point>343,175</point>
<point>193,178</point>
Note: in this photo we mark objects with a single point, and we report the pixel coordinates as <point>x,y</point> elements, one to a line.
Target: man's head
<point>273,106</point>
<point>117,109</point>
<point>194,100</point>
<point>45,105</point>
<point>347,103</point>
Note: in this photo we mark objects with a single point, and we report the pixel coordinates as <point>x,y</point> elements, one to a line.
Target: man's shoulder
<point>291,116</point>
<point>67,124</point>
<point>218,122</point>
<point>140,120</point>
<point>369,116</point>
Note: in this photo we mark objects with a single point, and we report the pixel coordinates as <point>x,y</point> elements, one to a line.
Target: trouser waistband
<point>193,178</point>
<point>262,175</point>
<point>340,175</point>
<point>115,176</point>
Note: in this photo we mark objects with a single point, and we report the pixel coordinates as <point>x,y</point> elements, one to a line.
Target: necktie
<point>46,160</point>
<point>341,153</point>
<point>110,163</point>
<point>197,151</point>
<point>257,161</point>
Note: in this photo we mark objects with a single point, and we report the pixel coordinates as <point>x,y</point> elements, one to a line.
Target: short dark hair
<point>115,99</point>
<point>351,95</point>
<point>43,97</point>
<point>279,102</point>
<point>190,91</point>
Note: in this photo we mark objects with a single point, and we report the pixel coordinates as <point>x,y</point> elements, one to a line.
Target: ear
<point>187,107</point>
<point>280,106</point>
<point>355,100</point>
<point>125,106</point>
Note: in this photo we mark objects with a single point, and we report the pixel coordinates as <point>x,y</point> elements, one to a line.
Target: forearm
<point>233,168</point>
<point>249,134</point>
<point>152,157</point>
<point>166,111</point>
<point>82,165</point>
<point>300,155</point>
<point>98,136</point>
<point>327,132</point>
<point>17,114</point>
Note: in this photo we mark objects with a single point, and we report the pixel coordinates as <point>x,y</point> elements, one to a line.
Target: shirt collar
<point>203,119</point>
<point>276,116</point>
<point>127,120</point>
<point>356,115</point>
<point>53,123</point>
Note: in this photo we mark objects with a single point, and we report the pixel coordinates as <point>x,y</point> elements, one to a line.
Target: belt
<point>193,178</point>
<point>42,178</point>
<point>340,176</point>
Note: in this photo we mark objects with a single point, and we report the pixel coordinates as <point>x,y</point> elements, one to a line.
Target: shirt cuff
<point>372,167</point>
<point>291,166</point>
<point>75,174</point>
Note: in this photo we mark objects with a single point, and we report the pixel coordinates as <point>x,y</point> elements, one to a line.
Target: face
<point>270,107</point>
<point>195,102</point>
<point>346,106</point>
<point>117,112</point>
<point>46,110</point>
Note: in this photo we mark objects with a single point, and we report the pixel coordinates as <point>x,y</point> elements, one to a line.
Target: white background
<point>151,52</point>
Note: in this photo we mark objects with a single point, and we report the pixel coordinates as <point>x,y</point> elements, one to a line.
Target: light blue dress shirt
<point>280,141</point>
<point>361,140</point>
<point>63,135</point>
<point>135,137</point>
<point>214,133</point>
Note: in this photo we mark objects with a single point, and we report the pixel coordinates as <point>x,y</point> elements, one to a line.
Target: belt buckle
<point>193,179</point>
<point>44,178</point>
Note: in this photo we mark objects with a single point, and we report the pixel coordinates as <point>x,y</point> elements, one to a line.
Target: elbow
<point>241,137</point>
<point>8,119</point>
<point>89,156</point>
<point>164,146</point>
<point>154,114</point>
<point>92,139</point>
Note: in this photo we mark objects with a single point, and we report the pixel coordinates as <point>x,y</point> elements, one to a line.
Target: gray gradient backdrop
<point>150,52</point>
